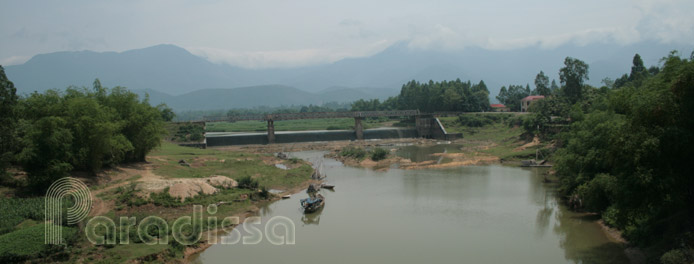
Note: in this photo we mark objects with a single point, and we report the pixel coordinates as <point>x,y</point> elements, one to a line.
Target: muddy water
<point>484,214</point>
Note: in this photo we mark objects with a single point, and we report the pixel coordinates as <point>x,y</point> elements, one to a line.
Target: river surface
<point>475,214</point>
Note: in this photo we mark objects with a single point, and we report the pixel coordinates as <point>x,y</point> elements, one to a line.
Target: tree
<point>8,120</point>
<point>167,114</point>
<point>572,77</point>
<point>542,84</point>
<point>511,97</point>
<point>554,87</point>
<point>47,151</point>
<point>638,71</point>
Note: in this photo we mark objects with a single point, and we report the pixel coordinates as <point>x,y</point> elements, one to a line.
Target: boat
<point>534,162</point>
<point>327,186</point>
<point>315,200</point>
<point>286,196</point>
<point>312,204</point>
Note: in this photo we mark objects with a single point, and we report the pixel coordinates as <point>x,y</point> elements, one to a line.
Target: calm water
<point>485,214</point>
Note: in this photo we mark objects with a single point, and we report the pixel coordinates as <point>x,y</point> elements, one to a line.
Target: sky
<point>281,33</point>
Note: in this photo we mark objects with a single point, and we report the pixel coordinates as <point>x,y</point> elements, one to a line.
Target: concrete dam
<point>427,126</point>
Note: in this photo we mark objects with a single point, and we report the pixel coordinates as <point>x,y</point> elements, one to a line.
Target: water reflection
<point>453,215</point>
<point>312,218</point>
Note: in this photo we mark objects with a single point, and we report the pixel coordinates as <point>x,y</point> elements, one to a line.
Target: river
<point>473,214</point>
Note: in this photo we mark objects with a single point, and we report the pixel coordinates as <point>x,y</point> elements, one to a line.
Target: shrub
<point>379,154</point>
<point>353,152</point>
<point>477,120</point>
<point>248,183</point>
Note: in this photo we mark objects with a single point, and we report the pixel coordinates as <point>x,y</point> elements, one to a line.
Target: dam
<point>427,126</point>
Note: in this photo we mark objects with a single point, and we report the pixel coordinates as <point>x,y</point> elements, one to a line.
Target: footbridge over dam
<point>427,126</point>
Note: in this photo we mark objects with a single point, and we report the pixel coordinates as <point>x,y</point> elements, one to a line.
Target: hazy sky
<point>283,33</point>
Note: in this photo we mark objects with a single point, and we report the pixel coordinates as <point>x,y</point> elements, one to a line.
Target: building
<point>499,108</point>
<point>525,102</point>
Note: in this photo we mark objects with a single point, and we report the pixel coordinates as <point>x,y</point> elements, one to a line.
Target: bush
<point>353,152</point>
<point>127,196</point>
<point>248,183</point>
<point>378,154</point>
<point>476,120</point>
<point>165,199</point>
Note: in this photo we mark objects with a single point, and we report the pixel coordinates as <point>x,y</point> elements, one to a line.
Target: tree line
<point>626,150</point>
<point>53,133</point>
<point>457,96</point>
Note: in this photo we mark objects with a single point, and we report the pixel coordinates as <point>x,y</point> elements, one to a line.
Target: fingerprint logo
<point>56,194</point>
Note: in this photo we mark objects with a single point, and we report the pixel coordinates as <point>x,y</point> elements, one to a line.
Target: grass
<point>126,253</point>
<point>207,162</point>
<point>501,138</point>
<point>16,210</point>
<point>28,242</point>
<point>295,125</point>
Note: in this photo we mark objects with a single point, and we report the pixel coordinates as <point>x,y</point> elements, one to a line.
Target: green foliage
<point>189,132</point>
<point>433,96</point>
<point>16,210</point>
<point>29,243</point>
<point>572,76</point>
<point>542,85</point>
<point>167,114</point>
<point>248,182</point>
<point>378,154</point>
<point>85,130</point>
<point>678,256</point>
<point>165,199</point>
<point>512,97</point>
<point>480,120</point>
<point>627,150</point>
<point>8,121</point>
<point>126,195</point>
<point>353,152</point>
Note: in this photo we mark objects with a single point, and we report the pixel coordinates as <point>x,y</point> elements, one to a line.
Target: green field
<point>207,162</point>
<point>499,138</point>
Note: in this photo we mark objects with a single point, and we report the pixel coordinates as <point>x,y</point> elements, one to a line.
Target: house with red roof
<point>499,108</point>
<point>528,100</point>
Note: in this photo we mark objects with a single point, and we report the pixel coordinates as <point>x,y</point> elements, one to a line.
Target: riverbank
<point>167,186</point>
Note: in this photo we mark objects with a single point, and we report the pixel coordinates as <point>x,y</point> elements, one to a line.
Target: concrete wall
<point>307,136</point>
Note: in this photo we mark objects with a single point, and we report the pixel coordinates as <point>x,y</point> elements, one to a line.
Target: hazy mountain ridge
<point>173,75</point>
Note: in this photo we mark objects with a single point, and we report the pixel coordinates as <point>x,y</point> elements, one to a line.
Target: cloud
<point>284,58</point>
<point>14,60</point>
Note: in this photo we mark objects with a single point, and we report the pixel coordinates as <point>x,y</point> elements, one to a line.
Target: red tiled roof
<point>533,97</point>
<point>497,105</point>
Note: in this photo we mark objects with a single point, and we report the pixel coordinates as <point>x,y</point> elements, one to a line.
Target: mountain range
<point>172,75</point>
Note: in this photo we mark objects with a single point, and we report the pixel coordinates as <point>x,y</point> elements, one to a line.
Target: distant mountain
<point>248,97</point>
<point>172,74</point>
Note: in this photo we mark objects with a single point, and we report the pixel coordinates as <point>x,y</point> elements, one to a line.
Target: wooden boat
<point>534,162</point>
<point>312,204</point>
<point>327,186</point>
<point>286,196</point>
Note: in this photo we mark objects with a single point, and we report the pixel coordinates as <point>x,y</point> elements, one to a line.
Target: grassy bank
<point>493,134</point>
<point>117,195</point>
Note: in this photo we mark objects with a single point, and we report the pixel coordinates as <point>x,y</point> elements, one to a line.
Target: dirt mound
<point>186,187</point>
<point>184,190</point>
<point>222,181</point>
